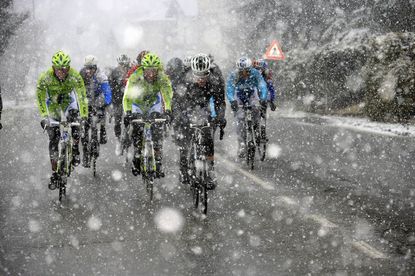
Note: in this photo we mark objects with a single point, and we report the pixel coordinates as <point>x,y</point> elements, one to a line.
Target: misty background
<point>347,57</point>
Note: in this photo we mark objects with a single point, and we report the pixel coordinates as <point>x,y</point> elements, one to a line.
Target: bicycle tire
<point>204,188</point>
<point>94,166</point>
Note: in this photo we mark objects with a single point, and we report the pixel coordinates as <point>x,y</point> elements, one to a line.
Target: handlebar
<point>141,121</point>
<point>64,123</point>
<point>200,126</point>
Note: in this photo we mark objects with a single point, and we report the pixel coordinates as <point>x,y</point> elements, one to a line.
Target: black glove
<point>127,118</point>
<point>273,105</point>
<point>263,106</point>
<point>168,116</point>
<point>234,106</point>
<point>222,123</point>
<point>44,123</point>
<point>1,126</point>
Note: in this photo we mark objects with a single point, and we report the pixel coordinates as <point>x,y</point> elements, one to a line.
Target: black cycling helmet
<point>175,67</point>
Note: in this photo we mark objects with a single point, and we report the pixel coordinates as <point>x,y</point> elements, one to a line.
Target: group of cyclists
<point>182,92</point>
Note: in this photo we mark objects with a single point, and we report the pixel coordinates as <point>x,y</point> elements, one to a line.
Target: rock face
<point>339,53</point>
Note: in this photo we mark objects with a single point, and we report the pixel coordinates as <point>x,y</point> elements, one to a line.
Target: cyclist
<point>99,96</point>
<point>245,87</point>
<point>203,100</point>
<point>186,61</point>
<point>54,94</point>
<point>116,78</point>
<point>176,71</point>
<point>262,66</point>
<point>148,93</point>
<point>218,82</point>
<point>135,66</point>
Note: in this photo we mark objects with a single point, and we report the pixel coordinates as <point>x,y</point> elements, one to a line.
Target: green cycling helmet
<point>61,59</point>
<point>151,60</point>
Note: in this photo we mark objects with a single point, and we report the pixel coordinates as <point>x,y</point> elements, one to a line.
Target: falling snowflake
<point>116,175</point>
<point>169,220</point>
<point>94,223</point>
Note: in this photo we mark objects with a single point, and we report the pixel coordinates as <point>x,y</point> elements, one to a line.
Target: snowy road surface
<point>332,200</point>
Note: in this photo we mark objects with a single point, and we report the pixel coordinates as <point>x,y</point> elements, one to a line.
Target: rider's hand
<point>234,106</point>
<point>273,105</point>
<point>1,126</point>
<point>263,106</point>
<point>44,123</point>
<point>168,116</point>
<point>222,123</point>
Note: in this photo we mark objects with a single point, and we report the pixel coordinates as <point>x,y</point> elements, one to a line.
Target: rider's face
<point>90,71</point>
<point>245,73</point>
<point>201,80</point>
<point>150,74</point>
<point>61,73</point>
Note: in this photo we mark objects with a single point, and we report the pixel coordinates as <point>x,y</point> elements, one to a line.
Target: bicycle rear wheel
<point>250,156</point>
<point>62,187</point>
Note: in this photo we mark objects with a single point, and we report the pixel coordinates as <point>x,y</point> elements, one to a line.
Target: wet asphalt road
<point>329,201</point>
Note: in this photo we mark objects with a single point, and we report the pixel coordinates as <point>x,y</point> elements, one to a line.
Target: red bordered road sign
<point>274,52</point>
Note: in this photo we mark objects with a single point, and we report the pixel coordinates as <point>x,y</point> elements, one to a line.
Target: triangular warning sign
<point>274,52</point>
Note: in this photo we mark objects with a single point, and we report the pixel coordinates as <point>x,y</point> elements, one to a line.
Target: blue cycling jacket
<point>96,87</point>
<point>239,88</point>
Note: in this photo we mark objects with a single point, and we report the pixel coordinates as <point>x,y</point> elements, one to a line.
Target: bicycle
<point>65,167</point>
<point>198,167</point>
<point>148,160</point>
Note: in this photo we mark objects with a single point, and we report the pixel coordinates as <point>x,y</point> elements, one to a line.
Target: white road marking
<point>322,221</point>
<point>368,250</point>
<point>254,178</point>
<point>362,246</point>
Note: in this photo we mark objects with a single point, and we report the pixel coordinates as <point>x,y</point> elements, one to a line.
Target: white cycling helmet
<point>90,61</point>
<point>187,61</point>
<point>244,63</point>
<point>200,64</point>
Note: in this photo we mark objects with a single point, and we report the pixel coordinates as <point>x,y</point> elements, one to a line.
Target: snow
<point>116,175</point>
<point>197,250</point>
<point>94,223</point>
<point>169,220</point>
<point>273,151</point>
<point>34,226</point>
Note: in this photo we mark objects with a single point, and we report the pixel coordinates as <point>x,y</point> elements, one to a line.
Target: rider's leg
<point>85,142</point>
<point>137,134</point>
<point>157,131</point>
<point>210,157</point>
<point>54,136</point>
<point>72,117</point>
<point>183,142</point>
<point>240,131</point>
<point>102,132</point>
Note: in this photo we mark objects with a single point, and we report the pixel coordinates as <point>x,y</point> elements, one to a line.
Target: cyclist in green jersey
<point>61,90</point>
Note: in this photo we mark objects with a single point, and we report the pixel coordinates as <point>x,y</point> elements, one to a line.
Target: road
<point>328,201</point>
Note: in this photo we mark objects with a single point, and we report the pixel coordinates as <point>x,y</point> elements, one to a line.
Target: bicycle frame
<point>148,162</point>
<point>198,166</point>
<point>65,167</point>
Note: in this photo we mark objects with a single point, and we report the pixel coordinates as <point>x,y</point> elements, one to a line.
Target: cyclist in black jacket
<point>203,101</point>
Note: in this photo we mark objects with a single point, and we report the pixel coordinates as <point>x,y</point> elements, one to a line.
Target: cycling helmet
<point>187,61</point>
<point>151,60</point>
<point>260,64</point>
<point>243,63</point>
<point>90,61</point>
<point>200,64</point>
<point>61,59</point>
<point>175,66</point>
<point>141,55</point>
<point>123,60</point>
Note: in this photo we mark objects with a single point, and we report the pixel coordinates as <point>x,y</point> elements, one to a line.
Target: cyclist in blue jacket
<point>262,66</point>
<point>99,96</point>
<point>246,88</point>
